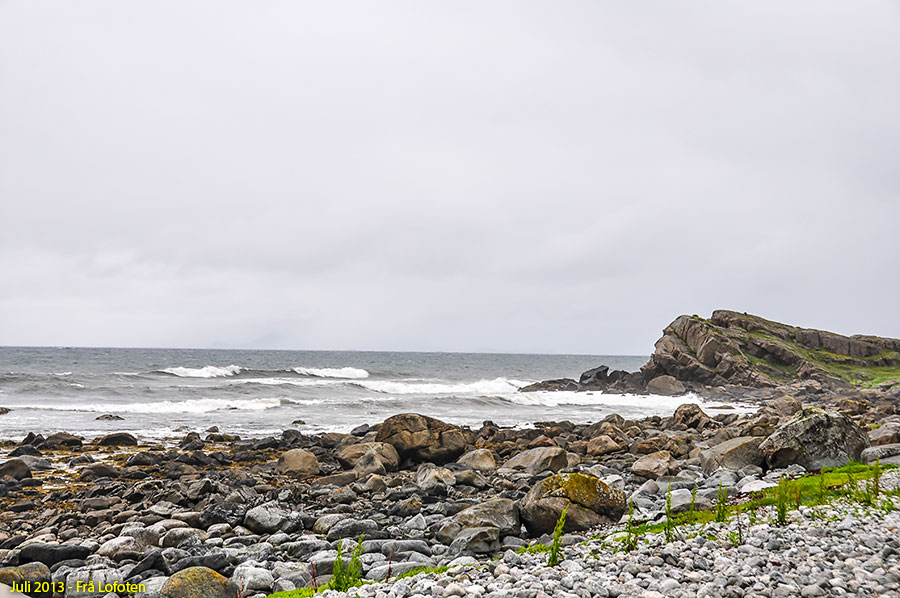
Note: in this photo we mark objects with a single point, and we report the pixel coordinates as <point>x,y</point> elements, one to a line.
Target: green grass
<point>849,481</point>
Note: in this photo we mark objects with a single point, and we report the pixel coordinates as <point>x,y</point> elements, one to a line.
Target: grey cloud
<point>507,176</point>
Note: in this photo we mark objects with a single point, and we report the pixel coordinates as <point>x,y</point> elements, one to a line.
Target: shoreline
<point>265,513</point>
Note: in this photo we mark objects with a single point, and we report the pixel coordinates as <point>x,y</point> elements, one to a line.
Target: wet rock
<point>95,471</point>
<point>16,468</point>
<point>536,460</point>
<point>109,417</point>
<point>60,440</point>
<point>298,462</point>
<point>552,385</point>
<point>814,438</point>
<point>117,439</point>
<point>421,438</point>
<point>589,500</point>
<point>595,376</point>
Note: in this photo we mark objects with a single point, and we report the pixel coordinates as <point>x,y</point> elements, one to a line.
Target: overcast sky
<point>462,176</point>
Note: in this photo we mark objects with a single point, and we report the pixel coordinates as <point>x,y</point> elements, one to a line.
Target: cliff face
<point>742,349</point>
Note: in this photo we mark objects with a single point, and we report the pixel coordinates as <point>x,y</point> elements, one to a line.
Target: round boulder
<point>421,438</point>
<point>536,460</point>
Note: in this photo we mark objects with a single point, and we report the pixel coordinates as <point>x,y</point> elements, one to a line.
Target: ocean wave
<point>345,372</point>
<point>209,371</point>
<point>189,406</point>
<point>481,387</point>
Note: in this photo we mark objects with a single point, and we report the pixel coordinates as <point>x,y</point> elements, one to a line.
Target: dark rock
<point>108,417</point>
<point>25,449</point>
<point>17,468</point>
<point>594,377</point>
<point>117,439</point>
<point>59,440</point>
<point>95,471</point>
<point>551,385</point>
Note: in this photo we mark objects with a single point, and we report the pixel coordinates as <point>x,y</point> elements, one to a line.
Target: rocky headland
<point>472,510</point>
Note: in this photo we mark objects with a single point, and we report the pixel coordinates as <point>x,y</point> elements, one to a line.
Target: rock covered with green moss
<point>589,500</point>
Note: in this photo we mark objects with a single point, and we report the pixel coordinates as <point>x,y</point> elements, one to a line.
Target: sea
<point>161,394</point>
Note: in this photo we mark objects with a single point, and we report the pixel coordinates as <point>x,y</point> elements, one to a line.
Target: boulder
<point>266,518</point>
<point>886,433</point>
<point>198,582</point>
<point>428,476</point>
<point>117,439</point>
<point>61,440</point>
<point>884,453</point>
<point>32,572</point>
<point>691,416</point>
<point>50,554</point>
<point>682,498</point>
<point>479,460</point>
<point>494,512</point>
<point>665,385</point>
<point>297,462</point>
<point>536,460</point>
<point>814,438</point>
<point>602,445</point>
<point>89,583</point>
<point>590,502</point>
<point>17,468</point>
<point>654,465</point>
<point>421,438</point>
<point>349,455</point>
<point>95,471</point>
<point>595,376</point>
<point>732,454</point>
<point>476,540</point>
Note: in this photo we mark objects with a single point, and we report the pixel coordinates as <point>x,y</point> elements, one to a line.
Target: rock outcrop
<point>421,438</point>
<point>746,350</point>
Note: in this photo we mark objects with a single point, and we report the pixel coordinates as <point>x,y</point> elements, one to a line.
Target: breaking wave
<point>209,371</point>
<point>346,372</point>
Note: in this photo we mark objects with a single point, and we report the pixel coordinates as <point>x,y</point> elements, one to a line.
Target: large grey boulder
<point>590,502</point>
<point>266,518</point>
<point>815,438</point>
<point>732,454</point>
<point>421,438</point>
<point>883,453</point>
<point>536,460</point>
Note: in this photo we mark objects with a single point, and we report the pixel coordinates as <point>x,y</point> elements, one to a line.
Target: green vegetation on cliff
<point>739,348</point>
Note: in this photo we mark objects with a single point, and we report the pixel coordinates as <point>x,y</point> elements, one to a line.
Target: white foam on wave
<point>497,386</point>
<point>62,373</point>
<point>189,406</point>
<point>210,371</point>
<point>658,404</point>
<point>346,372</point>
